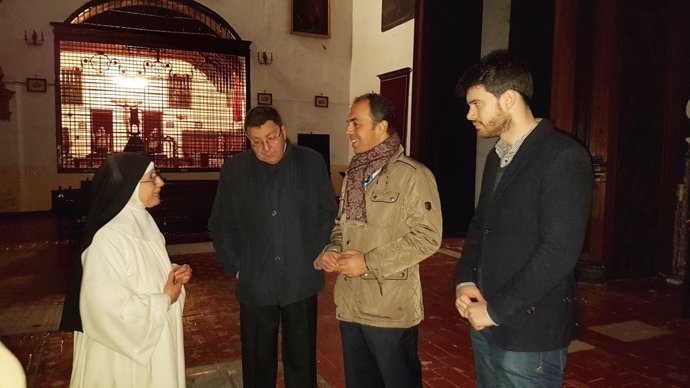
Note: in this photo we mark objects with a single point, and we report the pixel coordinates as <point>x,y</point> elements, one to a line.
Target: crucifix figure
<point>134,119</point>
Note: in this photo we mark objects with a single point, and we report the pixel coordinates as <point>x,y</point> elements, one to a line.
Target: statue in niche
<point>100,141</point>
<point>135,143</point>
<point>155,141</point>
<point>134,119</point>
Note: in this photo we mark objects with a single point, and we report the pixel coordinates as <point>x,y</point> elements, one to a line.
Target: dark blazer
<point>525,239</point>
<point>270,222</point>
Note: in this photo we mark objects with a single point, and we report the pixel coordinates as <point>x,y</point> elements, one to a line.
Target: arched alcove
<point>166,78</point>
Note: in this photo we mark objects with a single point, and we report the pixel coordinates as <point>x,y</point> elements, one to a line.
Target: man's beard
<point>498,124</point>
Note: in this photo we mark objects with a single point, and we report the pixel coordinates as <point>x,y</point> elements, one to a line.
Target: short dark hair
<point>380,109</point>
<point>258,115</point>
<point>498,71</point>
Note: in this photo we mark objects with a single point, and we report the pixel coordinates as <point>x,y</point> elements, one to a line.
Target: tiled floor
<point>634,335</point>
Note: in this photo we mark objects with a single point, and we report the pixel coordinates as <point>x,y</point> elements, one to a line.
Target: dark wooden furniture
<point>185,207</point>
<point>70,206</point>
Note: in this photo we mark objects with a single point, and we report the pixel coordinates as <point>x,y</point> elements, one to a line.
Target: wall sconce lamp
<point>263,58</point>
<point>34,40</point>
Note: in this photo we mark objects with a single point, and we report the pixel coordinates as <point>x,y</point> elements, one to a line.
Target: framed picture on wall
<point>311,17</point>
<point>264,98</point>
<point>321,101</point>
<point>396,12</point>
<point>35,84</point>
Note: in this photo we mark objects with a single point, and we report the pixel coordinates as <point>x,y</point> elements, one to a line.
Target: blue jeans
<point>502,368</point>
<point>377,357</point>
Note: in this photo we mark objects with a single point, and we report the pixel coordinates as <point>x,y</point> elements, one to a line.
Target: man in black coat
<point>515,281</point>
<point>273,214</point>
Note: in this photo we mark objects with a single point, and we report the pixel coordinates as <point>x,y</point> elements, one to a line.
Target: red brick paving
<point>212,323</point>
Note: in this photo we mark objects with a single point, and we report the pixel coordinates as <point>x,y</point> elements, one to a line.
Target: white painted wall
<point>495,35</point>
<point>375,52</point>
<point>303,67</point>
<point>340,67</point>
<point>27,141</point>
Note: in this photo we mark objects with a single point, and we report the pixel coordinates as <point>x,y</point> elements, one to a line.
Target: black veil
<point>112,186</point>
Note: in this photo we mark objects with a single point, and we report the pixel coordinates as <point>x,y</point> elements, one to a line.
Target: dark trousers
<point>259,334</point>
<point>380,357</point>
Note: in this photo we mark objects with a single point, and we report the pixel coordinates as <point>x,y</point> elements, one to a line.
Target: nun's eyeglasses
<point>155,178</point>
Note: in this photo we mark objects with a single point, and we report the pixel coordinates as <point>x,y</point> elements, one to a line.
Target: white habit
<point>132,338</point>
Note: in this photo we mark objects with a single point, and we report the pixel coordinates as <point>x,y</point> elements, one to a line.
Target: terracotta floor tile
<point>32,261</point>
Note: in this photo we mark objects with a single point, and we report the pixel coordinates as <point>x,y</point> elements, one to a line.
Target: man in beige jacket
<point>389,221</point>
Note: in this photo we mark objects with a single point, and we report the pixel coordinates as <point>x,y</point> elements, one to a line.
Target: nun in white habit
<point>131,297</point>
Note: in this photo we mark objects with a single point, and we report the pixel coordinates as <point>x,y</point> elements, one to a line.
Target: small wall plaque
<point>35,84</point>
<point>321,101</point>
<point>264,98</point>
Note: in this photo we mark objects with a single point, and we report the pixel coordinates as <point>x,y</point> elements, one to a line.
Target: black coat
<point>525,239</point>
<point>270,222</point>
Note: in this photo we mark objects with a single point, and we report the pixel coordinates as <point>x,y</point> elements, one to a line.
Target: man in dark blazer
<point>515,281</point>
<point>273,213</point>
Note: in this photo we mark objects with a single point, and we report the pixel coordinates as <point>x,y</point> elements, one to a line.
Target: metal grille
<point>185,109</point>
<point>124,11</point>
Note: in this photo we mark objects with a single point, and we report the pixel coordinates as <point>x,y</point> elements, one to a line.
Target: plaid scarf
<point>361,166</point>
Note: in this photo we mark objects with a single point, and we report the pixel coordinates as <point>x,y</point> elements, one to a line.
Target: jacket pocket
<point>399,275</point>
<point>384,196</point>
<point>397,298</point>
<point>384,208</point>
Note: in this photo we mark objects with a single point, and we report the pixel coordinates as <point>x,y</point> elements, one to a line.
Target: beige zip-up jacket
<point>404,227</point>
